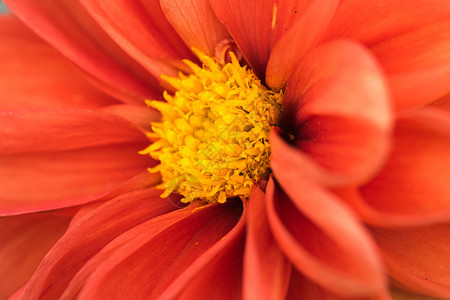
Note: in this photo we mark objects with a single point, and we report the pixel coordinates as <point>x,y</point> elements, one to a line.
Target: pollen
<point>213,137</point>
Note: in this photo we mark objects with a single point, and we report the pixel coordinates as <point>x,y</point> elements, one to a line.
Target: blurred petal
<point>69,28</point>
<point>418,257</point>
<point>196,23</point>
<point>336,105</point>
<point>374,21</point>
<point>135,265</point>
<point>58,130</point>
<point>417,64</point>
<point>302,288</point>
<point>34,75</point>
<point>43,181</point>
<point>322,239</point>
<point>414,182</point>
<point>295,43</point>
<point>266,269</point>
<point>88,236</point>
<point>24,241</point>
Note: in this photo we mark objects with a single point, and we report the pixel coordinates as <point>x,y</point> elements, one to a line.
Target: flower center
<point>213,137</point>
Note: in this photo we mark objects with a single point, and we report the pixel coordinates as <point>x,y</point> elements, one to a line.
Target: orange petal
<point>418,257</point>
<point>417,64</point>
<point>33,75</point>
<point>88,236</point>
<point>137,264</point>
<point>414,182</point>
<point>336,104</point>
<point>256,25</point>
<point>266,269</point>
<point>302,288</point>
<point>24,241</point>
<point>295,43</point>
<point>43,181</point>
<point>323,239</point>
<point>68,27</point>
<point>196,23</point>
<point>373,21</point>
<point>141,29</point>
<point>58,130</point>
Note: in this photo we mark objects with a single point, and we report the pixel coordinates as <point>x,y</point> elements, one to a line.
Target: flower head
<point>297,149</point>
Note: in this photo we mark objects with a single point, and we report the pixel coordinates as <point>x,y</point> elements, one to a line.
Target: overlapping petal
<point>196,23</point>
<point>53,179</point>
<point>89,235</point>
<point>144,267</point>
<point>414,182</point>
<point>68,27</point>
<point>336,107</point>
<point>294,44</point>
<point>24,241</point>
<point>256,26</point>
<point>322,238</point>
<point>266,269</point>
<point>37,76</point>
<point>402,249</point>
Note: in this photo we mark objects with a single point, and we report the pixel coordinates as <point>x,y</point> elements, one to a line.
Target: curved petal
<point>69,28</point>
<point>400,294</point>
<point>373,21</point>
<point>33,75</point>
<point>266,269</point>
<point>337,107</point>
<point>305,33</point>
<point>43,181</point>
<point>141,29</point>
<point>402,249</point>
<point>88,236</point>
<point>323,239</point>
<point>414,182</point>
<point>417,65</point>
<point>59,130</point>
<point>24,241</point>
<point>138,115</point>
<point>138,265</point>
<point>196,23</point>
<point>302,288</point>
<point>256,25</point>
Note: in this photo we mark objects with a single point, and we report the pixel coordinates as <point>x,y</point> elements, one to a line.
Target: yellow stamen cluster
<point>213,137</point>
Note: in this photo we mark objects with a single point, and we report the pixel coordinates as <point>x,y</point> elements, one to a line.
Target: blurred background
<point>3,8</point>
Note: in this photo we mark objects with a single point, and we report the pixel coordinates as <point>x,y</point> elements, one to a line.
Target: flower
<point>357,205</point>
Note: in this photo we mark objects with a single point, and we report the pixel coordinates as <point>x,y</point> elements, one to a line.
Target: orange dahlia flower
<point>296,149</point>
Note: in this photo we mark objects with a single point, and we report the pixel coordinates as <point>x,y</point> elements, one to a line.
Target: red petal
<point>414,182</point>
<point>142,30</point>
<point>88,236</point>
<point>33,75</point>
<point>145,260</point>
<point>323,239</point>
<point>337,106</point>
<point>295,43</point>
<point>24,241</point>
<point>418,65</point>
<point>43,181</point>
<point>57,130</point>
<point>256,25</point>
<point>70,29</point>
<point>266,269</point>
<point>418,258</point>
<point>196,23</point>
